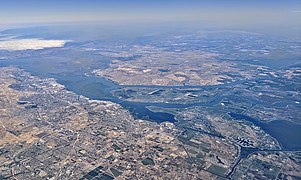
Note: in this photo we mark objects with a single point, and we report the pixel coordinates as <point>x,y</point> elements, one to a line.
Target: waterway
<point>75,79</point>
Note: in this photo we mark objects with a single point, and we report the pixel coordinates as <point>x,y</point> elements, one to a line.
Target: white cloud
<point>30,44</point>
<point>296,12</point>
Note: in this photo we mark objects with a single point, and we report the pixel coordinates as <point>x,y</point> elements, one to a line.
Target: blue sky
<point>44,11</point>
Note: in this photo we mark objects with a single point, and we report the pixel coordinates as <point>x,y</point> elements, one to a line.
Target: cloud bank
<point>30,44</point>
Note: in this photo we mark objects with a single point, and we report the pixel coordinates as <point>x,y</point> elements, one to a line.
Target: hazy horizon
<point>217,12</point>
